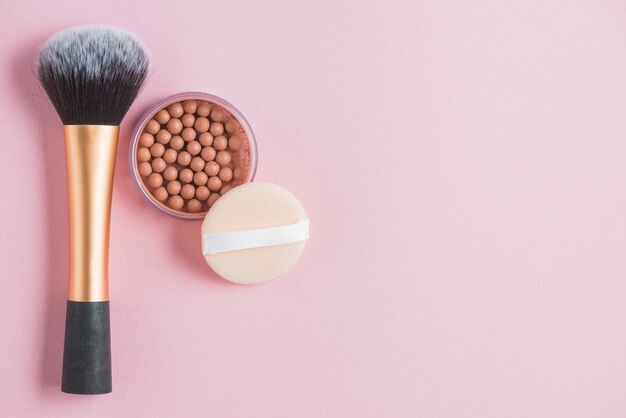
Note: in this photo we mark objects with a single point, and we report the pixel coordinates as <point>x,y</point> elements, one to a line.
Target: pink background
<point>464,167</point>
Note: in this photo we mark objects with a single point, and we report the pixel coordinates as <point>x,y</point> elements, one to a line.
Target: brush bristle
<point>92,73</point>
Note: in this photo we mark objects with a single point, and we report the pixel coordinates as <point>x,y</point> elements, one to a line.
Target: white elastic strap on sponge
<point>219,242</point>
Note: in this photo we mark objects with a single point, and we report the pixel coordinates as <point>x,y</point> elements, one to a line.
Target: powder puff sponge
<point>251,207</point>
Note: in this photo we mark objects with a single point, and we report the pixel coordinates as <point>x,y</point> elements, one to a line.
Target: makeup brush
<point>92,75</point>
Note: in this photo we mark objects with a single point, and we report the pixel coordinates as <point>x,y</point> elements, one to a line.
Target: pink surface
<point>464,167</point>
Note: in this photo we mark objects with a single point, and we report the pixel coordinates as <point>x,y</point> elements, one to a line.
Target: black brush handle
<point>87,352</point>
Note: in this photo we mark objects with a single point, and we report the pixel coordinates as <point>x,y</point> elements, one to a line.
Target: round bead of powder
<point>158,165</point>
<point>145,169</point>
<point>184,158</point>
<point>188,191</point>
<point>235,142</point>
<point>157,150</point>
<point>218,114</point>
<point>213,198</point>
<point>170,173</point>
<point>204,108</point>
<point>197,164</point>
<point>174,126</point>
<point>223,158</point>
<point>163,136</point>
<point>177,142</point>
<point>155,180</point>
<point>231,126</point>
<point>212,168</point>
<point>162,116</point>
<point>201,124</point>
<point>173,187</point>
<point>208,153</point>
<point>194,206</point>
<point>143,154</point>
<point>216,128</point>
<point>202,193</point>
<point>226,174</point>
<point>194,148</point>
<point>205,139</point>
<point>186,175</point>
<point>152,127</point>
<point>146,139</point>
<point>188,120</point>
<point>214,183</point>
<point>220,143</point>
<point>160,194</point>
<point>200,178</point>
<point>190,106</point>
<point>175,110</point>
<point>225,189</point>
<point>239,173</point>
<point>188,134</point>
<point>175,202</point>
<point>170,155</point>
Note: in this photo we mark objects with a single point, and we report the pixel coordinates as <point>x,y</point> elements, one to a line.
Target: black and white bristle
<point>92,73</point>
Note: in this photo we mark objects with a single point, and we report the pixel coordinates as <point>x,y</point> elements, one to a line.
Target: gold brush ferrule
<point>90,156</point>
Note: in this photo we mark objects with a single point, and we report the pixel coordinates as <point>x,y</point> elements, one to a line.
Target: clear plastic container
<point>248,151</point>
